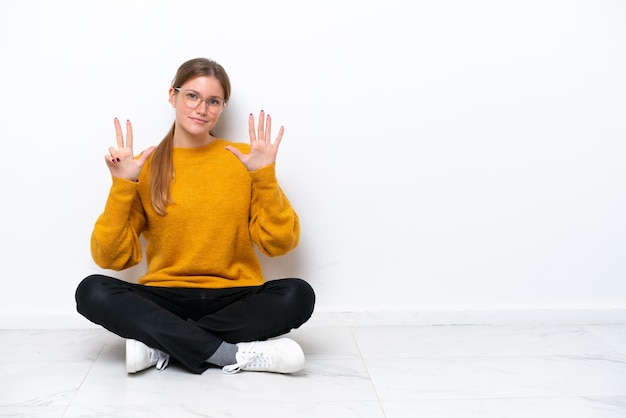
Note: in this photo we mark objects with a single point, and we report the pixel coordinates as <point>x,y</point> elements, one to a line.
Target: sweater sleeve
<point>274,224</point>
<point>115,242</point>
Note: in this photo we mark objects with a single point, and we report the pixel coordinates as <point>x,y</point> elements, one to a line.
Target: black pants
<point>190,324</point>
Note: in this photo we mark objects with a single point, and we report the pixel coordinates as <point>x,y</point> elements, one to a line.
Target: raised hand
<point>262,150</point>
<point>121,160</point>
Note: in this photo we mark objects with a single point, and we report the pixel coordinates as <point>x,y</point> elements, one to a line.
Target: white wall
<point>443,155</point>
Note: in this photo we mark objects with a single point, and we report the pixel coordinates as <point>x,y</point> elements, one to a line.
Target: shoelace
<point>251,359</point>
<point>162,359</point>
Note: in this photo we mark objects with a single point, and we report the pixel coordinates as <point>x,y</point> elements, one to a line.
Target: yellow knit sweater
<point>207,237</point>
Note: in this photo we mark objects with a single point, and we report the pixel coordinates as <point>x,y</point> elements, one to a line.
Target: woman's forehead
<point>208,85</point>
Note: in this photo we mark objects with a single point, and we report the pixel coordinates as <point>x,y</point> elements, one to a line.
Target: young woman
<point>202,204</point>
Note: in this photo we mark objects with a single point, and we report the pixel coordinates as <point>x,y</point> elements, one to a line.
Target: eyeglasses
<point>192,100</point>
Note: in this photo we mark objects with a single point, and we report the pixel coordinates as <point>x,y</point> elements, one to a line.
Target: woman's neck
<point>185,141</point>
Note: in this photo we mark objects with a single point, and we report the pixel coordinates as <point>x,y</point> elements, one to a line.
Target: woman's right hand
<point>121,160</point>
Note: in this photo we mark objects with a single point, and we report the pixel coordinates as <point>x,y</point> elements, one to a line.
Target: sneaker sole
<point>131,367</point>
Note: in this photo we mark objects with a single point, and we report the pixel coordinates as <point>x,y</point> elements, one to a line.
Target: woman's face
<point>198,103</point>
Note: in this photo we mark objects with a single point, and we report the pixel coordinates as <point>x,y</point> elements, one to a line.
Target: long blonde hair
<point>161,165</point>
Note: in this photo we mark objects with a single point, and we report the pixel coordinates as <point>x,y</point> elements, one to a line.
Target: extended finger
<point>261,134</point>
<point>268,128</point>
<point>145,154</point>
<point>129,134</point>
<point>118,133</point>
<point>235,151</point>
<point>251,128</point>
<point>279,137</point>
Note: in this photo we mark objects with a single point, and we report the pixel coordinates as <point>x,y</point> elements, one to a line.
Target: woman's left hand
<point>262,150</point>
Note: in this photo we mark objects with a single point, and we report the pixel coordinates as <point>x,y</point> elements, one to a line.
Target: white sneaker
<point>139,357</point>
<point>278,356</point>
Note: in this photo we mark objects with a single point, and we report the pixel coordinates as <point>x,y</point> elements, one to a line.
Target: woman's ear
<point>172,98</point>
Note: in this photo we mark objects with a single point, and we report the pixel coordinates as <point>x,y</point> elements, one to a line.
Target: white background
<point>442,155</point>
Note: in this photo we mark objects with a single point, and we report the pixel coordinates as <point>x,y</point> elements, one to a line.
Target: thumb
<point>235,151</point>
<point>145,154</point>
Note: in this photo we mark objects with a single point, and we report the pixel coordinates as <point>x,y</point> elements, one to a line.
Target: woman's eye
<point>215,101</point>
<point>192,96</point>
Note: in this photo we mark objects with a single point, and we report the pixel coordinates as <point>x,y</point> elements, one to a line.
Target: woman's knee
<point>300,297</point>
<point>91,293</point>
<point>304,292</point>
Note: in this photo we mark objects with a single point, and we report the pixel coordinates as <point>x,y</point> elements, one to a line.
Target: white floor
<point>435,372</point>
